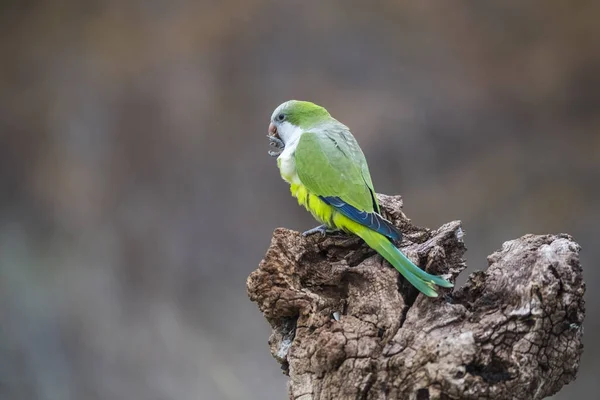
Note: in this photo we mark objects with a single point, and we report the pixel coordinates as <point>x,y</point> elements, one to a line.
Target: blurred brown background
<point>136,194</point>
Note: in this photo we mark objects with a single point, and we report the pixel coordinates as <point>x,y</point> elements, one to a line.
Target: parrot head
<point>293,117</point>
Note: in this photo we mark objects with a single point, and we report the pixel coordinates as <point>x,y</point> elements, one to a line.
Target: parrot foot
<point>277,144</point>
<point>321,229</point>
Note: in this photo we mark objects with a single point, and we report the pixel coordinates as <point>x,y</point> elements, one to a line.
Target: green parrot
<point>328,174</point>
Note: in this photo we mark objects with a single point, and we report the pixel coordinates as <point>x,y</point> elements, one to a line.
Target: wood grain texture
<point>513,331</point>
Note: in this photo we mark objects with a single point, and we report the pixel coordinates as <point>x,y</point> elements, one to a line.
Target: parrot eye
<point>280,117</point>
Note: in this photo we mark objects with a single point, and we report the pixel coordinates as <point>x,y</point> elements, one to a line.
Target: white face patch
<point>288,133</point>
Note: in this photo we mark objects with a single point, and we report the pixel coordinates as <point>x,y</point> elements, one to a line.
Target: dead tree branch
<point>512,332</point>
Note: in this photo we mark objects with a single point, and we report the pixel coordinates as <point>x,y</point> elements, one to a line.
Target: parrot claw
<point>277,144</point>
<point>321,229</point>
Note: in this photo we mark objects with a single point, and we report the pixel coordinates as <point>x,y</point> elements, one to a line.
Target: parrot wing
<point>332,166</point>
<point>351,147</point>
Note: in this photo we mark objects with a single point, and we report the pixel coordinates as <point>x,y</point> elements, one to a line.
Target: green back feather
<point>330,163</point>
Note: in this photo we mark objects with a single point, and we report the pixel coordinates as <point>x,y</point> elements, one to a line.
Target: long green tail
<point>420,279</point>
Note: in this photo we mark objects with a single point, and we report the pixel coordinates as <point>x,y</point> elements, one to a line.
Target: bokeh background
<point>136,194</point>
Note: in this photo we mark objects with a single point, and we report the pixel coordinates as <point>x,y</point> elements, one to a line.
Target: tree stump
<point>346,325</point>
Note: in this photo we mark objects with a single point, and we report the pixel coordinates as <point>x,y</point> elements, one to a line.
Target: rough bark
<point>511,332</point>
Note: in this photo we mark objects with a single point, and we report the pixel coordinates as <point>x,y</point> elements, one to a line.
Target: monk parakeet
<point>328,174</point>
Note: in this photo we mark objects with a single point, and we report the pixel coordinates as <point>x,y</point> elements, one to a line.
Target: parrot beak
<point>275,141</point>
<point>273,130</point>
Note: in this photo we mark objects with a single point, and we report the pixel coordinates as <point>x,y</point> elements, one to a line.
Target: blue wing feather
<point>369,219</point>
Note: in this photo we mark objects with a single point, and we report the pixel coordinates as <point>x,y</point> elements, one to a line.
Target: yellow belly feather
<point>322,211</point>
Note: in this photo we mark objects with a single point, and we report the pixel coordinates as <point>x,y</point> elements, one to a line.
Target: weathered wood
<point>512,332</point>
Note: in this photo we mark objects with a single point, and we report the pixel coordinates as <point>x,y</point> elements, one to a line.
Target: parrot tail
<point>420,279</point>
